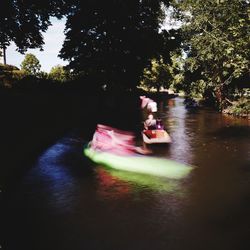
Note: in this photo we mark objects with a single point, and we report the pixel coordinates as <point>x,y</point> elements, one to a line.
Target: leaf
<point>224,73</point>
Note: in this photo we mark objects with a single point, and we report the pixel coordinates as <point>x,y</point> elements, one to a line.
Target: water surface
<point>66,202</point>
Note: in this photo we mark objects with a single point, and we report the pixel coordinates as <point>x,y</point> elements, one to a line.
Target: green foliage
<point>216,40</point>
<point>24,21</point>
<point>43,75</point>
<point>7,68</point>
<point>157,76</point>
<point>31,65</point>
<point>18,74</point>
<point>59,73</point>
<point>107,42</point>
<point>240,108</point>
<point>113,41</point>
<point>165,75</point>
<point>9,74</point>
<point>176,69</point>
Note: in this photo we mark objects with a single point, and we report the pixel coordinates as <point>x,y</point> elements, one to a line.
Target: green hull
<point>140,164</point>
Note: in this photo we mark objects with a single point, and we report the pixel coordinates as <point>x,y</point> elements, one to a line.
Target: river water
<point>66,202</point>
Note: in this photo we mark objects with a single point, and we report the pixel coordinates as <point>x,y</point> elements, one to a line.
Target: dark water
<point>64,202</point>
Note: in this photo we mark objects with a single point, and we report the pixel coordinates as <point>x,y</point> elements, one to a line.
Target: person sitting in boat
<point>150,123</point>
<point>159,124</point>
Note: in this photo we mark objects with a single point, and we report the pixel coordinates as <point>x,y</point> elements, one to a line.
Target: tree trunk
<point>4,55</point>
<point>220,96</point>
<point>158,88</point>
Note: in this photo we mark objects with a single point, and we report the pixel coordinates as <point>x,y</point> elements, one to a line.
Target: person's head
<point>150,117</point>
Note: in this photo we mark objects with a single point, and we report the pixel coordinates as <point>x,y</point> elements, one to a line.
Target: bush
<point>239,108</point>
<point>8,75</point>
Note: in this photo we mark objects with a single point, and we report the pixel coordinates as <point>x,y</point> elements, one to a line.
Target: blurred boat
<point>116,149</point>
<point>138,163</point>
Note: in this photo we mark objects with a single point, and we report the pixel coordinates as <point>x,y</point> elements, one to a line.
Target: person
<point>112,140</point>
<point>152,106</point>
<point>150,123</point>
<point>159,124</point>
<point>148,103</point>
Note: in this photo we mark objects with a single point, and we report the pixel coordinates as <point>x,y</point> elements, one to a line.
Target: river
<point>66,202</point>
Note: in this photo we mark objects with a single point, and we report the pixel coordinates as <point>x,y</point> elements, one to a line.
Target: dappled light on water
<point>176,123</point>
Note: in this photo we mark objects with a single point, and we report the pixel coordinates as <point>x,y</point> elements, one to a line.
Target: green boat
<point>139,164</point>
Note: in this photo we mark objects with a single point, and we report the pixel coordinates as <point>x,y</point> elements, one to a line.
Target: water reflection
<point>111,187</point>
<point>114,183</point>
<point>54,177</point>
<point>175,116</point>
<point>109,209</point>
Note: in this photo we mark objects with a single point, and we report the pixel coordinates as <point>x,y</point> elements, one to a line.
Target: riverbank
<point>240,108</point>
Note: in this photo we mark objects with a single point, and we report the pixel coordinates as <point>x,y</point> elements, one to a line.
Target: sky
<point>48,58</point>
<point>53,39</point>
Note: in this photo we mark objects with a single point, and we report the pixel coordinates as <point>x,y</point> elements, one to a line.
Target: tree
<point>3,55</point>
<point>24,21</point>
<point>59,73</point>
<point>157,76</point>
<point>166,75</point>
<point>113,41</point>
<point>217,41</point>
<point>176,69</point>
<point>31,65</point>
<point>108,41</point>
<point>8,74</point>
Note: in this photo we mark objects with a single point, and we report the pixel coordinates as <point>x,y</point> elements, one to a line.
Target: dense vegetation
<point>216,40</point>
<point>120,44</point>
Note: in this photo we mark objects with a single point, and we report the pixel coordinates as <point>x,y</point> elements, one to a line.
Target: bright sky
<point>48,58</point>
<point>169,22</point>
